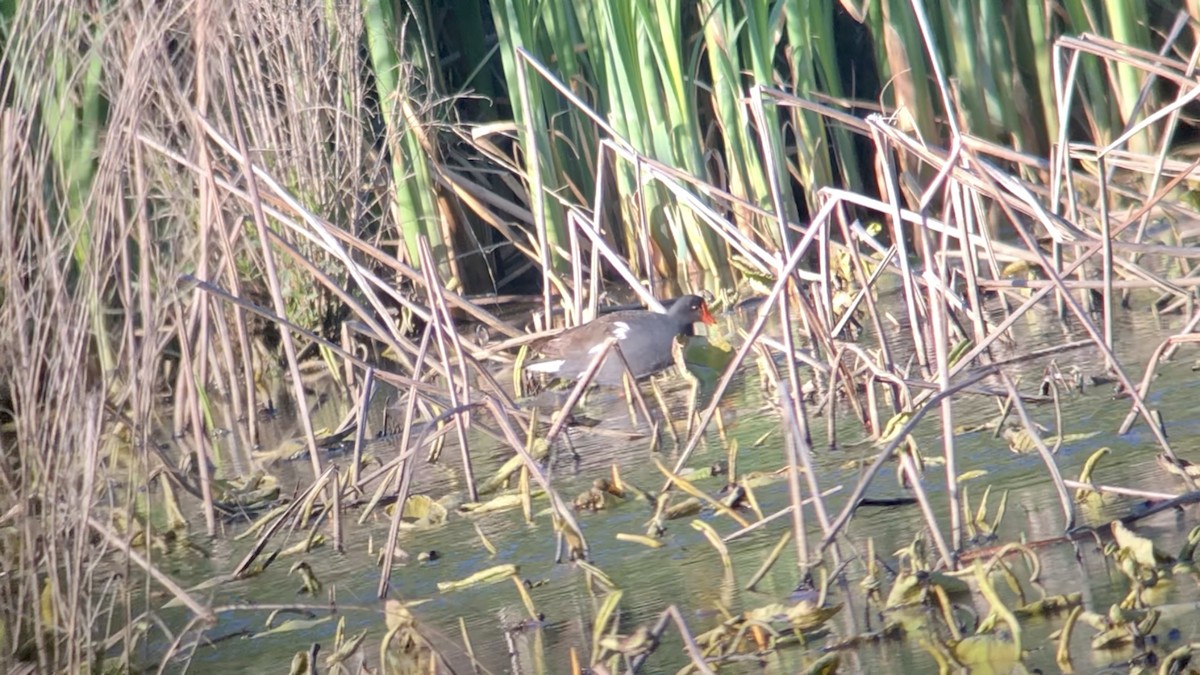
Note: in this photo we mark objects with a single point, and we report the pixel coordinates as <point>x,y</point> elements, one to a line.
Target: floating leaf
<point>293,625</point>
<point>906,590</point>
<point>971,475</point>
<point>688,507</point>
<point>640,539</point>
<point>345,650</point>
<point>305,546</point>
<point>755,479</point>
<point>299,664</point>
<point>603,616</point>
<point>715,539</point>
<point>1020,441</point>
<point>806,616</point>
<point>1085,476</point>
<point>488,576</point>
<point>987,653</point>
<point>893,426</point>
<point>312,585</point>
<point>1049,605</point>
<point>596,573</point>
<point>639,642</point>
<point>1188,551</point>
<point>420,512</point>
<point>1140,548</point>
<point>502,503</point>
<point>1016,269</point>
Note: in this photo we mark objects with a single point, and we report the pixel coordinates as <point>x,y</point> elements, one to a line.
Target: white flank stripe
<point>546,366</point>
<point>620,330</point>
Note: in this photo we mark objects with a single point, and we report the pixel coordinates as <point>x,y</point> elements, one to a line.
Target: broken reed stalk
<point>445,332</point>
<point>764,313</point>
<point>883,158</point>
<point>390,378</point>
<point>593,232</point>
<point>798,425</point>
<point>630,384</point>
<point>560,509</point>
<point>332,239</point>
<point>1081,315</point>
<point>770,560</point>
<point>795,437</point>
<point>1122,491</point>
<point>1106,264</point>
<point>199,438</point>
<point>1064,497</point>
<point>970,262</point>
<point>1152,367</point>
<point>793,404</point>
<point>268,258</point>
<point>407,460</point>
<point>669,615</point>
<point>335,509</point>
<point>574,314</point>
<point>364,403</point>
<point>585,379</point>
<point>737,534</point>
<point>940,320</point>
<point>269,531</point>
<point>901,436</point>
<point>410,411</point>
<point>1092,249</point>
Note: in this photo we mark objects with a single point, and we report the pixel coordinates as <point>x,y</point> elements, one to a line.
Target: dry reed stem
<point>669,615</point>
<point>332,238</point>
<point>796,438</point>
<point>197,424</point>
<point>560,508</point>
<point>781,283</point>
<point>585,379</point>
<point>444,331</point>
<point>398,380</point>
<point>766,520</point>
<point>273,283</point>
<point>364,403</point>
<point>901,436</point>
<point>1047,457</point>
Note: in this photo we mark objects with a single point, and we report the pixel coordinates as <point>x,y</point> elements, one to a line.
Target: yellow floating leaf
<point>640,539</point>
<point>293,625</point>
<point>345,651</point>
<point>490,575</point>
<point>987,653</point>
<point>805,615</point>
<point>1140,548</point>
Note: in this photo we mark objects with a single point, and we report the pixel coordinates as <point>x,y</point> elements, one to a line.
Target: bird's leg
<point>678,352</point>
<point>666,412</point>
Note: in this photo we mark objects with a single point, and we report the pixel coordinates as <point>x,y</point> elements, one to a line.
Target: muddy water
<point>687,572</point>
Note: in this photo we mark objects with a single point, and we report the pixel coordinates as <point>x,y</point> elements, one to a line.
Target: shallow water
<point>686,571</point>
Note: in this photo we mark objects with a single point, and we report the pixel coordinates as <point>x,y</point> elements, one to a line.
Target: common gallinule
<point>645,338</point>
